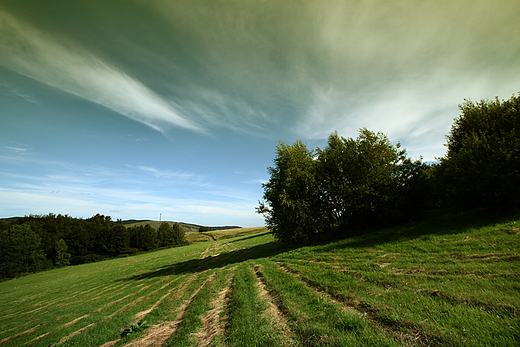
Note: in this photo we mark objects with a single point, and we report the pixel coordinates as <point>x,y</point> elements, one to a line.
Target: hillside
<point>450,279</point>
<point>186,226</point>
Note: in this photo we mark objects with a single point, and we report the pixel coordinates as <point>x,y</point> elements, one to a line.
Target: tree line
<point>35,243</point>
<point>353,184</point>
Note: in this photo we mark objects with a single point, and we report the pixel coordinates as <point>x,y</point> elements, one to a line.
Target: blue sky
<point>139,108</point>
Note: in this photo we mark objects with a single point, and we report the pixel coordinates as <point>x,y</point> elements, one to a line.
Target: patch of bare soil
<point>157,335</point>
<point>211,325</point>
<point>110,343</point>
<point>273,312</point>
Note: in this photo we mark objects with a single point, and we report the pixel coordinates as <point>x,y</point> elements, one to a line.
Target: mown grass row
<point>450,280</point>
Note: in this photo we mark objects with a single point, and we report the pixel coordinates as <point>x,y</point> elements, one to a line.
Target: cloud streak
<point>315,68</point>
<point>71,68</point>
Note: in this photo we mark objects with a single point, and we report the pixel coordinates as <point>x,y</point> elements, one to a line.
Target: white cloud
<point>71,68</point>
<point>16,149</point>
<point>123,204</point>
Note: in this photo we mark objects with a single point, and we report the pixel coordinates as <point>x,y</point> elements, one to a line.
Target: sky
<point>172,110</point>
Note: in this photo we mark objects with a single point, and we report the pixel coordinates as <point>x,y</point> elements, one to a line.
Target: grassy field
<point>451,279</point>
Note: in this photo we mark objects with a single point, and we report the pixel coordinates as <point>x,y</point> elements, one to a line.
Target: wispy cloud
<point>16,149</point>
<point>14,91</point>
<point>315,68</point>
<point>66,65</point>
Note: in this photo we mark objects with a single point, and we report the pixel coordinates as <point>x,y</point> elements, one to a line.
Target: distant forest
<point>35,243</point>
<point>354,184</point>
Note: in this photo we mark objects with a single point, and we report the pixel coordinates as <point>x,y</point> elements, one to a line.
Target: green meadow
<point>450,279</point>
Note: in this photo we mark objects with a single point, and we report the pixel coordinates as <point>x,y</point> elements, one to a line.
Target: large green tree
<point>171,235</point>
<point>359,178</point>
<point>291,196</point>
<point>351,183</point>
<point>482,164</point>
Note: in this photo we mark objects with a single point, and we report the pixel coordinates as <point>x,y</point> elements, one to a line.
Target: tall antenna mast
<point>160,217</point>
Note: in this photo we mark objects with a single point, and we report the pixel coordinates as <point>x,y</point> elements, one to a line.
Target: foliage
<point>134,328</point>
<point>291,194</point>
<point>482,164</point>
<point>203,229</point>
<point>171,235</point>
<point>35,243</point>
<point>62,257</point>
<point>350,183</point>
<point>20,251</point>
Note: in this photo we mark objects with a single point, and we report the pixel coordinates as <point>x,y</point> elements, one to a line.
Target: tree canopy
<point>355,183</point>
<point>348,184</point>
<point>482,164</point>
<point>35,243</point>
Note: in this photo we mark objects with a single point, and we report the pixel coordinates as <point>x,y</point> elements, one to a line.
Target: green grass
<point>451,279</point>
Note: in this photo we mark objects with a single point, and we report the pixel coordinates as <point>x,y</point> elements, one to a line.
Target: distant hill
<point>186,226</point>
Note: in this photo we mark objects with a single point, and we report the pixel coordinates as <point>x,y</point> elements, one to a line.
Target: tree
<point>21,251</point>
<point>351,183</point>
<point>171,235</point>
<point>290,197</point>
<point>360,179</point>
<point>148,238</point>
<point>178,235</point>
<point>62,256</point>
<point>115,240</point>
<point>482,164</point>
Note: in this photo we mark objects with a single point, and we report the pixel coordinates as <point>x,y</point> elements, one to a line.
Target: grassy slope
<point>449,280</point>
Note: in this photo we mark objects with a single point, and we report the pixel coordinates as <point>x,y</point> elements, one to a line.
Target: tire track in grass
<point>130,304</point>
<point>211,324</point>
<point>179,291</point>
<point>322,292</point>
<point>77,332</point>
<point>29,331</point>
<point>157,335</point>
<point>404,333</point>
<point>59,306</point>
<point>180,288</point>
<point>20,334</point>
<point>74,321</point>
<point>274,313</point>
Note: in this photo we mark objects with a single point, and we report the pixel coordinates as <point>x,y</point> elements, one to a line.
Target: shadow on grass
<point>238,239</point>
<point>214,262</point>
<point>436,222</point>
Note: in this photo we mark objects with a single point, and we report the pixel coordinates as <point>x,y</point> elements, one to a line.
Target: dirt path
<point>157,335</point>
<point>212,326</point>
<point>273,312</point>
